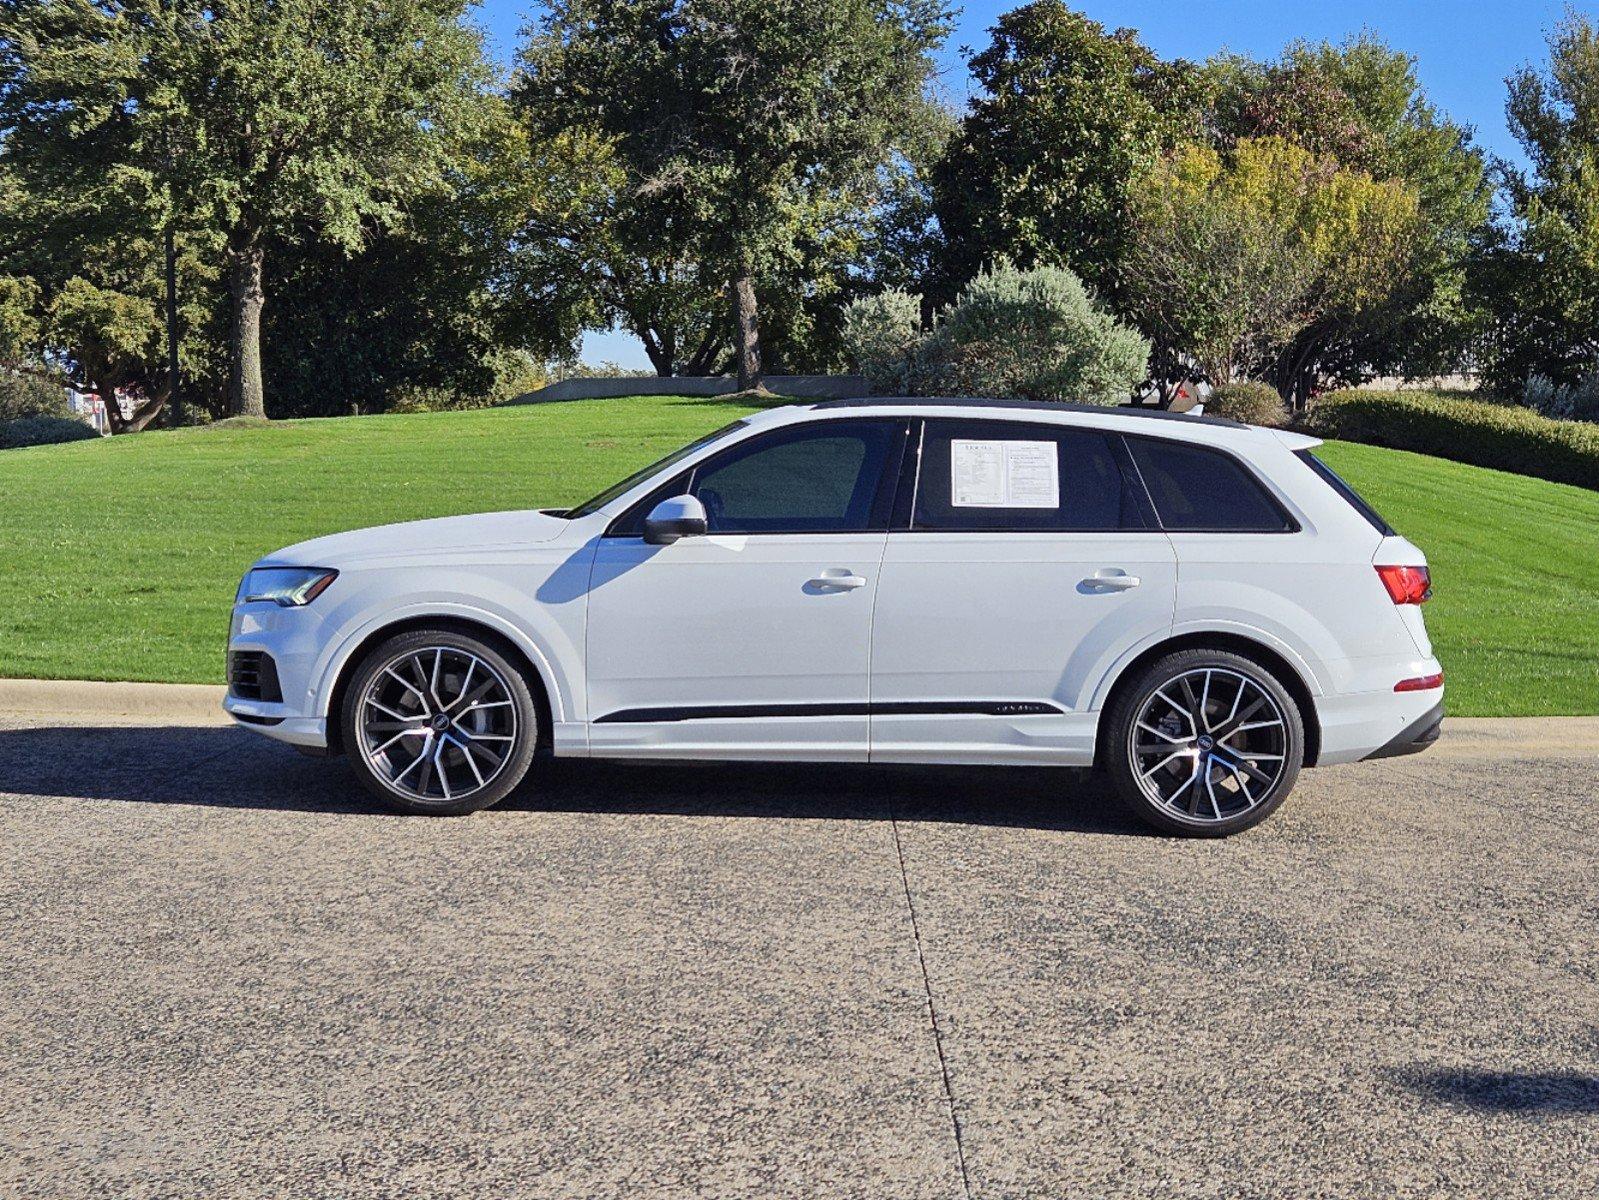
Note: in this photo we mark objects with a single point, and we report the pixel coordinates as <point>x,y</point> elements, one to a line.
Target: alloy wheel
<point>437,724</point>
<point>1209,744</point>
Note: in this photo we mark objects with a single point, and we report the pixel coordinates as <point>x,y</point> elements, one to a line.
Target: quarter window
<point>981,476</point>
<point>1196,489</point>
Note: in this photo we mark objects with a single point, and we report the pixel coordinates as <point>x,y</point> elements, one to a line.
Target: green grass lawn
<point>118,558</point>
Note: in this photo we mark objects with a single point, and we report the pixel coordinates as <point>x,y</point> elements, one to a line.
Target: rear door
<point>1026,562</point>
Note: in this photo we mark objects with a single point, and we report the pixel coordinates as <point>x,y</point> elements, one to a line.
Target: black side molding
<point>1415,737</point>
<point>722,712</point>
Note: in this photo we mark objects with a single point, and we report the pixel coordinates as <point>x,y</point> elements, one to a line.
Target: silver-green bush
<point>1249,401</point>
<point>1035,335</point>
<point>883,334</point>
<point>1563,401</point>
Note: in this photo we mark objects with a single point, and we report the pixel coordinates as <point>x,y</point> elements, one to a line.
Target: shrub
<point>1249,401</point>
<point>1037,335</point>
<point>1469,431</point>
<point>883,335</point>
<point>43,431</point>
<point>26,395</point>
<point>1563,401</point>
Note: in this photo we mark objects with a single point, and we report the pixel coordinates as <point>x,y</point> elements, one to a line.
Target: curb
<point>50,699</point>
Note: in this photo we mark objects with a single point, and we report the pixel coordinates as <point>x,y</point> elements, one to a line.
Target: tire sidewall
<point>496,656</point>
<point>1130,703</point>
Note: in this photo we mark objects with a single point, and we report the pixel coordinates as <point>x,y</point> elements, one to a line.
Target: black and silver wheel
<point>1205,743</point>
<point>439,722</point>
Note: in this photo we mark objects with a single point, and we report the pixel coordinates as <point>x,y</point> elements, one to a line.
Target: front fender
<point>550,635</point>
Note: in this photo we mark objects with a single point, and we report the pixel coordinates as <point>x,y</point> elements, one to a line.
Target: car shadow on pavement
<point>228,768</point>
<point>1506,1091</point>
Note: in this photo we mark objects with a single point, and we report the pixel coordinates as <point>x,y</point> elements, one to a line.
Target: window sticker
<point>1004,475</point>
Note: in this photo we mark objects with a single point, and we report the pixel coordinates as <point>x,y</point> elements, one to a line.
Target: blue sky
<point>1463,52</point>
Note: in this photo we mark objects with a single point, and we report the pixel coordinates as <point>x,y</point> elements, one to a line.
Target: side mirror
<point>673,518</point>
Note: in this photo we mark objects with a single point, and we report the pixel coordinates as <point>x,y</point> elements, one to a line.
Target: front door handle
<point>1110,579</point>
<point>836,579</point>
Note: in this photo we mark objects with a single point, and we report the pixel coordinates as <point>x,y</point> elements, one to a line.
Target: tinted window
<point>637,477</point>
<point>1356,501</point>
<point>830,477</point>
<point>1197,489</point>
<point>1005,475</point>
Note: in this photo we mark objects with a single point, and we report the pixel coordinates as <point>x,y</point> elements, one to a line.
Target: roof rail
<point>1118,410</point>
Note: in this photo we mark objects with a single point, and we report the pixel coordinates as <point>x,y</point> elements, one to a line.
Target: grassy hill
<point>118,558</point>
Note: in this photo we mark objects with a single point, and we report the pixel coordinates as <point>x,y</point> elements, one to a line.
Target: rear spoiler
<point>1296,441</point>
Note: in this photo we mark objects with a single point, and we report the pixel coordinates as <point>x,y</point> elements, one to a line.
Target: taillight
<point>1421,683</point>
<point>1406,585</point>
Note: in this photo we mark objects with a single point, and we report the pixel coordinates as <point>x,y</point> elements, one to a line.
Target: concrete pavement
<point>227,975</point>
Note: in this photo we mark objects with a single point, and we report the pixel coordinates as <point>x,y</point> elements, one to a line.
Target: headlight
<point>288,586</point>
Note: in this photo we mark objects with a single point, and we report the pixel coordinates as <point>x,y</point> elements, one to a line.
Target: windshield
<point>617,489</point>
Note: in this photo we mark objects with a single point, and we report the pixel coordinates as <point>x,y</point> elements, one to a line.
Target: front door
<point>1031,562</point>
<point>754,640</point>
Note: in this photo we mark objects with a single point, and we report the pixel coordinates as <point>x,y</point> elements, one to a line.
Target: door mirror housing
<point>673,518</point>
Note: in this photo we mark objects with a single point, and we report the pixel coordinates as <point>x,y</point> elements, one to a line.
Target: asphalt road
<point>224,975</point>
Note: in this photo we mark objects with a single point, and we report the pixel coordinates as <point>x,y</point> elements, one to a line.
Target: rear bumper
<point>1368,723</point>
<point>1419,735</point>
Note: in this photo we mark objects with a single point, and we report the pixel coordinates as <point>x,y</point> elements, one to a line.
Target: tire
<point>1204,743</point>
<point>439,722</point>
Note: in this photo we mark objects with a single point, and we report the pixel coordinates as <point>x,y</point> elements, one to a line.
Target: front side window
<point>827,477</point>
<point>1199,490</point>
<point>980,476</point>
<point>622,486</point>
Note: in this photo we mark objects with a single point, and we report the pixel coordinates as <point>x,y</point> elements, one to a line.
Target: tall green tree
<point>1358,106</point>
<point>252,119</point>
<point>1238,256</point>
<point>1046,160</point>
<point>477,278</point>
<point>1539,276</point>
<point>741,129</point>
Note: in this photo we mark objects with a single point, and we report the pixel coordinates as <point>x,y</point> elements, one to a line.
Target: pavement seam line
<point>932,1009</point>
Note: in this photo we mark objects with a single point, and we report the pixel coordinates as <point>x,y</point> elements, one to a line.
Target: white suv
<point>1195,606</point>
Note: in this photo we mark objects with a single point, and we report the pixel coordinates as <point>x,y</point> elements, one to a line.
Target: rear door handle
<point>837,579</point>
<point>1110,579</point>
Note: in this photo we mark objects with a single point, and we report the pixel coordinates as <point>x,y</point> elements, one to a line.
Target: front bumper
<point>292,637</point>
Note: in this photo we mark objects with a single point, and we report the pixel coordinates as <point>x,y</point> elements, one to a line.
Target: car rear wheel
<point>439,722</point>
<point>1204,743</point>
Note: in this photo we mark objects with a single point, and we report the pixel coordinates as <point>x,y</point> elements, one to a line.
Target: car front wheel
<point>1204,743</point>
<point>439,722</point>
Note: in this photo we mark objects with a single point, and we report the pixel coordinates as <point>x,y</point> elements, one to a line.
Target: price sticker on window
<point>1004,474</point>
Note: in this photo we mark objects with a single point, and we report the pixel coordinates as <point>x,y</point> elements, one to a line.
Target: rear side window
<point>1355,499</point>
<point>1199,490</point>
<point>982,476</point>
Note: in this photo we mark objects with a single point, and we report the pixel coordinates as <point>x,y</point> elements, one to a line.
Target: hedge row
<point>42,431</point>
<point>1470,431</point>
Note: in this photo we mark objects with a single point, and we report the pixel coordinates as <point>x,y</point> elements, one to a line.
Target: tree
<point>1045,163</point>
<point>741,128</point>
<point>1260,257</point>
<point>441,308</point>
<point>1357,106</point>
<point>82,277</point>
<point>256,120</point>
<point>1218,281</point>
<point>1538,276</point>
